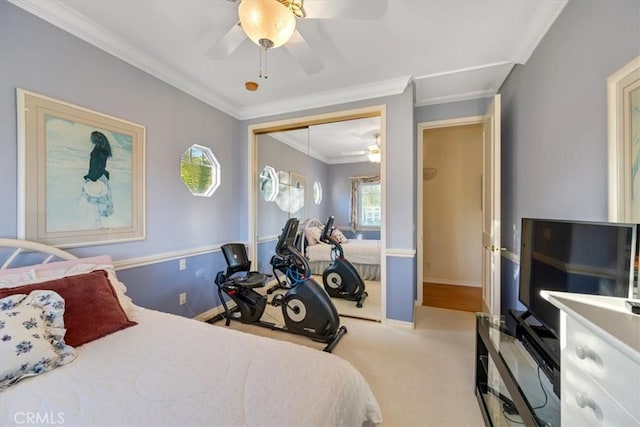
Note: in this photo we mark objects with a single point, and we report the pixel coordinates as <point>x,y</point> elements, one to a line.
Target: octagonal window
<point>317,192</point>
<point>200,170</point>
<point>269,183</point>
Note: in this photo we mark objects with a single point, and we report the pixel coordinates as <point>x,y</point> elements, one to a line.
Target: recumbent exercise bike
<point>340,278</point>
<point>306,308</point>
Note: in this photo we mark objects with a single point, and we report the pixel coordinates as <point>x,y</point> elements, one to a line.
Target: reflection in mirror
<point>270,218</point>
<point>200,170</point>
<point>317,192</point>
<point>329,156</point>
<point>268,184</point>
<point>291,193</point>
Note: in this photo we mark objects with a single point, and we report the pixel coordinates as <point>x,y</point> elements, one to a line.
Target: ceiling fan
<point>271,23</point>
<point>372,152</point>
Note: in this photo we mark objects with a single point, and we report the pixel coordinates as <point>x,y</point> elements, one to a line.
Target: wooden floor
<point>454,297</point>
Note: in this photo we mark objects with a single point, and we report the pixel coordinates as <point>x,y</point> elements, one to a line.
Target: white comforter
<point>168,370</point>
<point>356,251</point>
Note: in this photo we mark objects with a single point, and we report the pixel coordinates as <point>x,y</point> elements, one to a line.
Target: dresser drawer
<point>585,403</point>
<point>615,372</point>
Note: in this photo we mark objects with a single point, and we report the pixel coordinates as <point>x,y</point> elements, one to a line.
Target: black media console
<point>543,346</point>
<point>511,387</point>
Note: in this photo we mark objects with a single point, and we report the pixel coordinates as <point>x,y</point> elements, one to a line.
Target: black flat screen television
<point>574,256</point>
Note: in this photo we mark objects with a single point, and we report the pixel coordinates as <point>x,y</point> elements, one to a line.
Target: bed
<point>363,254</point>
<point>161,369</point>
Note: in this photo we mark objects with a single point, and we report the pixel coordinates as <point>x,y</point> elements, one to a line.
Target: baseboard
<point>215,311</point>
<point>441,281</point>
<point>399,323</point>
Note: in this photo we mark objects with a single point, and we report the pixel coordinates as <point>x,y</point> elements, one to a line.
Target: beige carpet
<point>370,310</point>
<point>421,377</point>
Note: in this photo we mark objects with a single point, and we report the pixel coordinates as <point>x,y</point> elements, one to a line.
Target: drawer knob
<point>584,352</point>
<point>584,401</point>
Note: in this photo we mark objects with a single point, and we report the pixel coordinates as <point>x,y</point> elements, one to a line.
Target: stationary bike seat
<point>250,281</point>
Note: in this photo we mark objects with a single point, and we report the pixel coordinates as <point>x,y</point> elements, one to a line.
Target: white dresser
<point>599,360</point>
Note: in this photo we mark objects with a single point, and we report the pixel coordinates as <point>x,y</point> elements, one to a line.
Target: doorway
<point>490,201</point>
<point>452,217</point>
<point>449,204</point>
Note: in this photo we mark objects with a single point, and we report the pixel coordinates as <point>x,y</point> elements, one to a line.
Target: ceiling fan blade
<point>344,9</point>
<point>302,52</point>
<point>353,153</point>
<point>228,44</point>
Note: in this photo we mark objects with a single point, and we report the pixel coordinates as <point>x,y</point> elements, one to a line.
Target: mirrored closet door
<point>319,171</point>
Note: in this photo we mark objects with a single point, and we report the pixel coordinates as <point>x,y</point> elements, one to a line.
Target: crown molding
<point>324,99</point>
<point>455,98</point>
<point>506,66</point>
<point>67,19</point>
<point>464,70</point>
<point>541,21</point>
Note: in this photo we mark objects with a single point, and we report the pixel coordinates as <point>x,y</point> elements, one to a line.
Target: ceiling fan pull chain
<point>263,70</point>
<point>265,63</point>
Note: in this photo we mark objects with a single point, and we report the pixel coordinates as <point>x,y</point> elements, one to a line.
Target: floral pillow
<point>31,336</point>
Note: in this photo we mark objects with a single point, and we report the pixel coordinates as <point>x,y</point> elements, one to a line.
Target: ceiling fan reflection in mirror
<point>272,23</point>
<point>372,152</point>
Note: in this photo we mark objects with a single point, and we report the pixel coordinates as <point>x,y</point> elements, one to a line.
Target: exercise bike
<point>306,308</point>
<point>340,278</point>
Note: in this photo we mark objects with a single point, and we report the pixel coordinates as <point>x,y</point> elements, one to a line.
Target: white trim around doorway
<point>421,127</point>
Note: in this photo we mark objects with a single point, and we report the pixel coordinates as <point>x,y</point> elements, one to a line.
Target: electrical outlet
<point>183,264</point>
<point>183,298</point>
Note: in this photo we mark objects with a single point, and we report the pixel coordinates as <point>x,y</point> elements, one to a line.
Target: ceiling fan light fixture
<point>373,151</point>
<point>268,23</point>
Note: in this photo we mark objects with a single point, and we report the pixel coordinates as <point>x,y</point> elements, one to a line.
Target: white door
<point>491,207</point>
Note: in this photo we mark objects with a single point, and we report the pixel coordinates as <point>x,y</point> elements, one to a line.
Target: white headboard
<point>307,223</point>
<point>24,246</point>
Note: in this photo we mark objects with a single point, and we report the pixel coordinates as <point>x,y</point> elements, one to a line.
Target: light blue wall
<point>39,57</point>
<point>281,157</point>
<point>266,250</point>
<point>554,118</point>
<point>401,279</point>
<point>157,286</point>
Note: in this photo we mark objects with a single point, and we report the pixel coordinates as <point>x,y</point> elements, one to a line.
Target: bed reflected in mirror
<point>325,170</point>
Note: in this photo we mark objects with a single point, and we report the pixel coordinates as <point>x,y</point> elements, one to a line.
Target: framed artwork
<point>80,174</point>
<point>623,107</point>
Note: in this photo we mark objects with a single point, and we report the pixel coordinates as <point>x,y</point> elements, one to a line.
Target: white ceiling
<point>337,142</point>
<point>452,49</point>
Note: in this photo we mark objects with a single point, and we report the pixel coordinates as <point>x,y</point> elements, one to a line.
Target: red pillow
<point>92,309</point>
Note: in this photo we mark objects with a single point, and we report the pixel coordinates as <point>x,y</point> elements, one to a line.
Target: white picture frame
<point>623,118</point>
<point>67,195</point>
